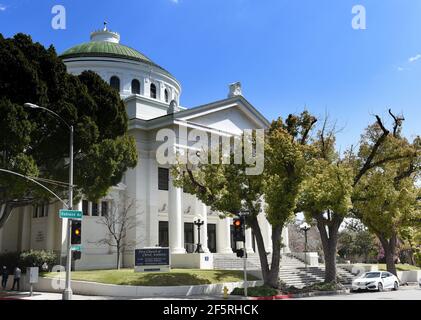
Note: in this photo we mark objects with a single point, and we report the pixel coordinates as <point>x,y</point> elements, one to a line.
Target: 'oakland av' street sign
<point>71,214</point>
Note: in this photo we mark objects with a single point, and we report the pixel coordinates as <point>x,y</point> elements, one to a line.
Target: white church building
<point>164,213</point>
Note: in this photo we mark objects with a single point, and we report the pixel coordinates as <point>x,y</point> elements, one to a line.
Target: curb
<point>277,297</point>
<point>301,295</point>
<point>318,293</point>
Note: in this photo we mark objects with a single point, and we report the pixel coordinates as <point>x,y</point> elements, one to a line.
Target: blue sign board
<point>152,257</point>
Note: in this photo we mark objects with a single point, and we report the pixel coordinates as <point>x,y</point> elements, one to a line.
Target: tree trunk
<point>254,224</point>
<point>330,261</point>
<point>118,257</point>
<point>389,247</point>
<point>273,278</point>
<point>329,243</point>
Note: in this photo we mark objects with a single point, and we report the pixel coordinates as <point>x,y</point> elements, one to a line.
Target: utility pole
<point>68,293</point>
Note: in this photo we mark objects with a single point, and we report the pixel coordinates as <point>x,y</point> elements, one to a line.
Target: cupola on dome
<point>106,43</point>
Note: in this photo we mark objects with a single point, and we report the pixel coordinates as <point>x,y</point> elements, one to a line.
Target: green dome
<point>107,49</point>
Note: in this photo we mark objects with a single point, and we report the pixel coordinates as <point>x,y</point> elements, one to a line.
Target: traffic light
<point>76,255</point>
<point>76,232</point>
<point>240,253</point>
<point>239,229</point>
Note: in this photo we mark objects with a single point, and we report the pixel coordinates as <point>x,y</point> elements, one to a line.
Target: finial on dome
<point>105,35</point>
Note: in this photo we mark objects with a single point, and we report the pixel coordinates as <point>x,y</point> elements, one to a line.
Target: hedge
<point>31,258</point>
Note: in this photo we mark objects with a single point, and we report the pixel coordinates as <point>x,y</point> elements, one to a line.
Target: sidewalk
<point>15,295</point>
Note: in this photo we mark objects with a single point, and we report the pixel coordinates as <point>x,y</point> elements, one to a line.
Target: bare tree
<point>118,222</point>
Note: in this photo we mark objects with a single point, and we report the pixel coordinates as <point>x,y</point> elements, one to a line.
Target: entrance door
<point>212,237</point>
<point>163,234</point>
<point>189,237</point>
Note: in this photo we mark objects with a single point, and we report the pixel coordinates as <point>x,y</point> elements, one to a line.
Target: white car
<point>375,280</point>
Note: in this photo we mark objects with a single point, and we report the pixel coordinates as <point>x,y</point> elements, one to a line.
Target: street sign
<point>71,214</point>
<point>76,248</point>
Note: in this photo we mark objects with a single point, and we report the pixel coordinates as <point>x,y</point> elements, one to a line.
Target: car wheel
<point>380,287</point>
<point>396,286</point>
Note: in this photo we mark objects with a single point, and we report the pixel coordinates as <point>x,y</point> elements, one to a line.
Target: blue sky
<point>288,54</point>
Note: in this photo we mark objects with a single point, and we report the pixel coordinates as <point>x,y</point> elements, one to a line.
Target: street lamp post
<point>198,223</point>
<point>305,227</point>
<point>67,293</point>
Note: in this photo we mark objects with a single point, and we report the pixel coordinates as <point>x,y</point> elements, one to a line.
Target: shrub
<point>31,258</point>
<point>319,286</point>
<point>417,257</point>
<point>256,291</point>
<point>36,258</point>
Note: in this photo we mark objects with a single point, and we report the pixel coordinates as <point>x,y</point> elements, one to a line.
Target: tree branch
<point>379,142</point>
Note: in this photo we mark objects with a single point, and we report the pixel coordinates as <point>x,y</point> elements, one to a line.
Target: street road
<point>404,293</point>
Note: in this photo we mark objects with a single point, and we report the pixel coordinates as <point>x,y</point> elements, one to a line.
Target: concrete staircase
<point>292,271</point>
<point>232,262</point>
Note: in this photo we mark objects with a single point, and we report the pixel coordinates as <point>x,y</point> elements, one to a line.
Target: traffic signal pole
<point>245,269</point>
<point>67,293</point>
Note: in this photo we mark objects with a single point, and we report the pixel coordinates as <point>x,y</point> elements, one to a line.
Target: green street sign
<point>76,248</point>
<point>71,214</point>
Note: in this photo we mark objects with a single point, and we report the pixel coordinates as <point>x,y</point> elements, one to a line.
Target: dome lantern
<point>105,35</point>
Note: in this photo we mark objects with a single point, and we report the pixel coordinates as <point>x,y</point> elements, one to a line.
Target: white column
<point>249,241</point>
<point>269,237</point>
<point>26,229</point>
<point>204,228</point>
<point>175,219</point>
<point>223,240</point>
<point>285,240</point>
<point>266,230</point>
<point>152,216</point>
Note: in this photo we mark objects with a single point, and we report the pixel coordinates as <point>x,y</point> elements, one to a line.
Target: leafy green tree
<point>35,144</point>
<point>326,195</point>
<point>227,187</point>
<point>386,198</point>
<point>287,158</point>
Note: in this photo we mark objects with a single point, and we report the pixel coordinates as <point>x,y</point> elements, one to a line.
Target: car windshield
<point>371,275</point>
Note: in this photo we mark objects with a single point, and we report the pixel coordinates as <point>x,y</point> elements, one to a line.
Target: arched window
<point>135,86</point>
<point>115,83</point>
<point>153,91</point>
<point>166,95</point>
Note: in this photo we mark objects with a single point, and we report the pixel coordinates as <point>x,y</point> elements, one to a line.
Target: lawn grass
<point>399,267</point>
<point>176,277</point>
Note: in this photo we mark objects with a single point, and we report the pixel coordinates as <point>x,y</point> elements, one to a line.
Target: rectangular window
<point>35,214</point>
<point>163,233</point>
<point>85,207</point>
<point>95,210</point>
<point>104,208</point>
<point>40,210</point>
<point>189,237</point>
<point>163,178</point>
<point>46,208</point>
<point>212,237</point>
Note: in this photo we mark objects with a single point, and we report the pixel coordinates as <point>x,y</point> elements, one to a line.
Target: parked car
<point>375,280</point>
